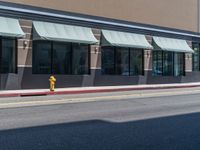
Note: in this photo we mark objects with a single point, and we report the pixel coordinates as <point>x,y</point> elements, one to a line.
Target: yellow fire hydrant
<point>52,81</point>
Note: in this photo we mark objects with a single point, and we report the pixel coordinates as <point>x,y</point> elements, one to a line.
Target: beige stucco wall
<point>181,14</point>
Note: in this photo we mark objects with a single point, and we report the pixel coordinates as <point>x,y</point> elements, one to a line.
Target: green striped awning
<point>170,44</point>
<point>62,32</point>
<point>124,39</point>
<point>10,27</point>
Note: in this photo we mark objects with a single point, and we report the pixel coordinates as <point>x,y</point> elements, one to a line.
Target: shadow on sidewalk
<point>168,133</point>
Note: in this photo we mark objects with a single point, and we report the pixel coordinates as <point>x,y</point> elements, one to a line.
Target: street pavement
<point>135,120</point>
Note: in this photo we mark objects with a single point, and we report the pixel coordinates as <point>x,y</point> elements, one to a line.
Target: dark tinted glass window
<point>122,61</point>
<point>80,63</point>
<point>108,61</point>
<point>168,63</point>
<point>136,62</point>
<point>42,57</point>
<point>8,56</point>
<point>196,57</point>
<point>157,63</point>
<point>62,58</point>
<point>179,64</point>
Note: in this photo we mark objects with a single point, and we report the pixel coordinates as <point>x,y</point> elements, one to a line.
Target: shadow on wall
<point>9,81</point>
<point>23,72</point>
<point>167,133</point>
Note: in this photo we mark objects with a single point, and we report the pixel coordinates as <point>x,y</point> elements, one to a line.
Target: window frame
<point>88,57</point>
<point>16,54</point>
<point>52,59</point>
<point>33,56</point>
<point>193,69</point>
<point>114,65</point>
<point>173,63</point>
<point>114,48</point>
<point>117,68</point>
<point>143,59</point>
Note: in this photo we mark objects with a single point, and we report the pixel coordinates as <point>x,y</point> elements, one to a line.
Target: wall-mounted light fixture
<point>188,56</point>
<point>96,49</point>
<point>148,53</point>
<point>25,43</point>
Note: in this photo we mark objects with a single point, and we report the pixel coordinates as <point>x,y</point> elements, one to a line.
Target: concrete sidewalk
<point>81,90</point>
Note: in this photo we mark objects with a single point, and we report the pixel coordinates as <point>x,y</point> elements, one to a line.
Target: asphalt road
<point>128,121</point>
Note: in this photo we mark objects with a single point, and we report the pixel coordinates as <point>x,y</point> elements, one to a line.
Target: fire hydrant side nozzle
<point>52,81</point>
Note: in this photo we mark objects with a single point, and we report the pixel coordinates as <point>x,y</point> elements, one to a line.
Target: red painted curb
<point>90,91</point>
<point>9,95</point>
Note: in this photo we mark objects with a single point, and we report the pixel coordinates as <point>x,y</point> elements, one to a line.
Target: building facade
<point>99,43</point>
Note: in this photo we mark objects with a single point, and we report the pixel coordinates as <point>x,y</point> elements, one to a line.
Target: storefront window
<point>196,57</point>
<point>108,60</point>
<point>179,64</point>
<point>122,61</point>
<point>136,62</point>
<point>60,58</point>
<point>168,63</point>
<point>42,58</point>
<point>8,63</point>
<point>81,58</point>
<point>157,63</point>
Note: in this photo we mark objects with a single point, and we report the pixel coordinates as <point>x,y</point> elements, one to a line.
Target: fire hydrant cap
<point>52,78</point>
